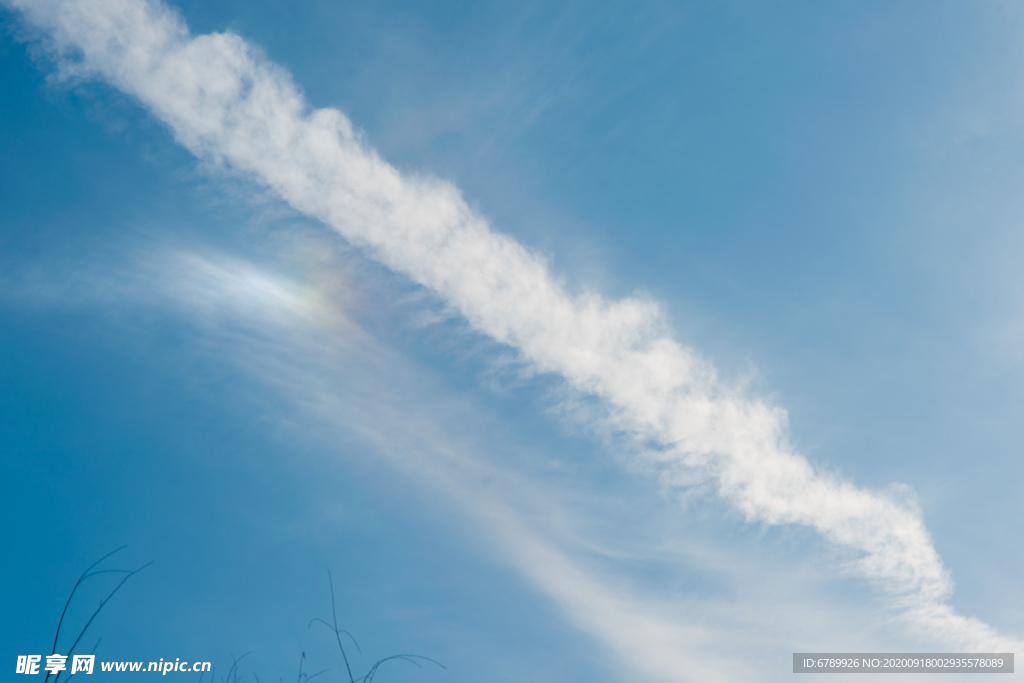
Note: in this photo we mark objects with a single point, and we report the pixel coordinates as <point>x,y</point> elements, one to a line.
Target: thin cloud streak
<point>332,379</point>
<point>297,354</point>
<point>333,375</point>
<point>226,103</point>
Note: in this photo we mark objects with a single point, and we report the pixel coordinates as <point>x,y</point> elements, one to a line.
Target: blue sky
<point>704,349</point>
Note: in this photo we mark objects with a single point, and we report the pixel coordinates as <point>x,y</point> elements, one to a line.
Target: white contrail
<point>225,102</point>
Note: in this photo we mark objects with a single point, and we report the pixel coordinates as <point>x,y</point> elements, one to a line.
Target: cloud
<point>584,544</point>
<point>330,375</point>
<point>227,104</point>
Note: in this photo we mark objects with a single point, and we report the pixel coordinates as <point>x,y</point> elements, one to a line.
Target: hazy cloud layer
<point>226,103</point>
<point>330,376</point>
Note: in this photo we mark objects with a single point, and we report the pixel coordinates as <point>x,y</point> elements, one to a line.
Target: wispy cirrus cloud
<point>226,103</point>
<point>330,376</point>
<point>583,543</point>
